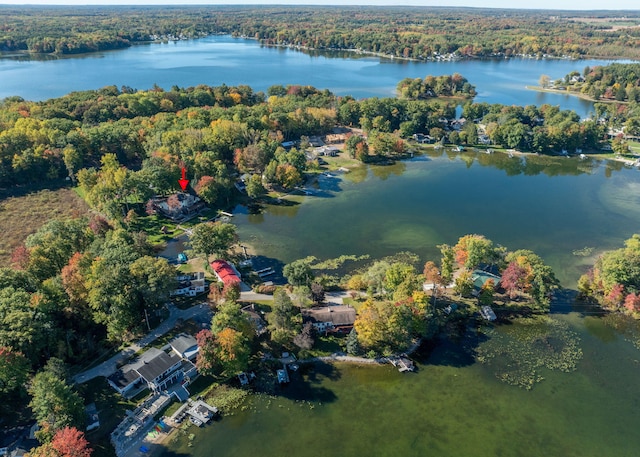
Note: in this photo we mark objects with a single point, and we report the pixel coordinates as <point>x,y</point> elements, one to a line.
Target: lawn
<point>23,213</point>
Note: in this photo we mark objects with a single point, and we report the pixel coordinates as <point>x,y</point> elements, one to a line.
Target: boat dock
<point>402,363</point>
<point>198,412</point>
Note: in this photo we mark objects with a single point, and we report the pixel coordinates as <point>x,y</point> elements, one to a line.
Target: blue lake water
<point>222,59</point>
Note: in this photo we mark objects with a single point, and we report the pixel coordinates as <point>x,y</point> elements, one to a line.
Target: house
<point>125,382</point>
<point>91,413</point>
<point>330,318</point>
<point>177,207</point>
<point>156,370</point>
<point>480,278</point>
<point>423,139</point>
<point>190,284</point>
<point>185,346</point>
<point>225,272</point>
<point>256,319</point>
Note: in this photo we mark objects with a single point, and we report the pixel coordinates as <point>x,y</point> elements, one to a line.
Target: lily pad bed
<point>519,352</point>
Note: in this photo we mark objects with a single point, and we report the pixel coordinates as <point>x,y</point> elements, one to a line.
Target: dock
<point>265,272</point>
<point>198,412</point>
<point>402,363</point>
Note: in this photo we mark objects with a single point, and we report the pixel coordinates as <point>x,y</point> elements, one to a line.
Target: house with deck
<point>330,318</point>
<point>158,370</point>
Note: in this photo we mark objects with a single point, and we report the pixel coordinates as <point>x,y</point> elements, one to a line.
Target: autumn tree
<point>232,351</point>
<point>206,358</point>
<point>207,189</point>
<point>70,442</point>
<point>514,279</point>
<point>539,281</point>
<point>472,250</point>
<point>487,291</point>
<point>544,81</point>
<point>463,284</point>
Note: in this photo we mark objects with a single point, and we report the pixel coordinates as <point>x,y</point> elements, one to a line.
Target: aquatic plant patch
<point>518,353</point>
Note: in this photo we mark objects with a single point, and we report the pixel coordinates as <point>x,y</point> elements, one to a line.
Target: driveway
<point>108,367</point>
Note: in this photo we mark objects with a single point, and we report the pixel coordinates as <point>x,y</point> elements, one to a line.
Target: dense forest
<point>217,132</point>
<point>404,32</point>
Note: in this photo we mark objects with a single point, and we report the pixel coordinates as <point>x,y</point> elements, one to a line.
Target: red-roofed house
<point>225,272</point>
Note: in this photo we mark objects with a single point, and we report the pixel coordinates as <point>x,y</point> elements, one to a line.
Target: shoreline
<point>574,94</point>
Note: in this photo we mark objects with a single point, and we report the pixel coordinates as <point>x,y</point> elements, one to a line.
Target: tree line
<point>123,145</point>
<point>405,32</point>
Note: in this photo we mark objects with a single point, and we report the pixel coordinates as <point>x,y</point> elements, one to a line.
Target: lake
<point>453,406</point>
<point>450,407</point>
<point>221,59</point>
<point>551,205</point>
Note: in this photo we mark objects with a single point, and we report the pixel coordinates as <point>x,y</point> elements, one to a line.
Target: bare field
<point>23,215</point>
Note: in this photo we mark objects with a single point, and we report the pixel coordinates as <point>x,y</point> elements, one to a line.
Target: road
<point>110,366</point>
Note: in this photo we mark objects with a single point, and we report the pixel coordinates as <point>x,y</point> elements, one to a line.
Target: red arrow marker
<point>182,181</point>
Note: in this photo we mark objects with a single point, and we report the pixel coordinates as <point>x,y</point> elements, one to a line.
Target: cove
<point>217,60</point>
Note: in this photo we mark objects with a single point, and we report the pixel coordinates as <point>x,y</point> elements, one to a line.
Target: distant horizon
<point>551,5</point>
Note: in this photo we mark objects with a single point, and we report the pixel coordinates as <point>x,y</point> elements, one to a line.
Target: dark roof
<point>183,343</point>
<point>123,378</point>
<point>155,367</point>
<point>337,315</point>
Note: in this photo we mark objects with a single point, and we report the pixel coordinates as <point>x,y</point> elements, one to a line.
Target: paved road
<point>109,367</point>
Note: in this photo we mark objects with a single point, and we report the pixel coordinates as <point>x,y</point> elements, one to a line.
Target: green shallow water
<point>450,407</point>
<point>553,206</point>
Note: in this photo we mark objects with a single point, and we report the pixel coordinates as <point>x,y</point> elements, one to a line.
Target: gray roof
<point>337,315</point>
<point>123,378</point>
<point>155,367</point>
<point>183,343</point>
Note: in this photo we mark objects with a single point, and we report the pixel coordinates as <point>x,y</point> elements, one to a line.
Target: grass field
<point>22,215</point>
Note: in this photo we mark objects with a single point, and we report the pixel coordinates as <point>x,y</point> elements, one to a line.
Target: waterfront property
<point>137,423</point>
<point>159,370</point>
<point>225,272</point>
<point>177,207</point>
<point>330,318</point>
<point>480,278</point>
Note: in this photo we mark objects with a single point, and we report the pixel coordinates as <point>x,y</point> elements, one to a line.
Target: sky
<point>530,4</point>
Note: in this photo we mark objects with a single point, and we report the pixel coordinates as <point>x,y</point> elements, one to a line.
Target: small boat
<point>487,313</point>
<point>283,376</point>
<point>195,421</point>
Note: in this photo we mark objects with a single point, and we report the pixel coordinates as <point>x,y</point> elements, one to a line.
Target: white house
<point>190,285</point>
